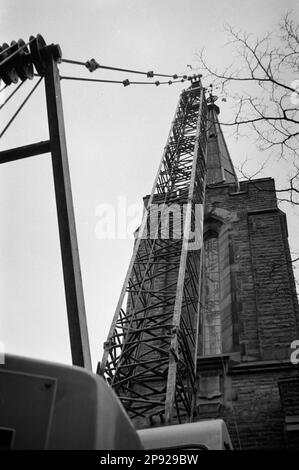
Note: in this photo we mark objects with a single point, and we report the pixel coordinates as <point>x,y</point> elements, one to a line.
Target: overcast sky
<point>115,138</point>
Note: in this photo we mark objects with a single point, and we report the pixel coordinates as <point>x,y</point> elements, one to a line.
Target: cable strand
<point>11,95</point>
<point>20,107</point>
<point>123,82</point>
<point>96,65</point>
<point>2,89</point>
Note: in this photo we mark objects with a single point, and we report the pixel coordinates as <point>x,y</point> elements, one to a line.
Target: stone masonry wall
<point>268,314</point>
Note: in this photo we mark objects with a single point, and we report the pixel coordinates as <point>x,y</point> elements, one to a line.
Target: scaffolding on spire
<point>150,354</point>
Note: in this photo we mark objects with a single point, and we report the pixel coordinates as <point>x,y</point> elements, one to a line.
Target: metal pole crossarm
<point>25,151</point>
<point>149,357</point>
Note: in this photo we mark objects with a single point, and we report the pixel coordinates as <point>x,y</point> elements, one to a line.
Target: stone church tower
<point>238,293</point>
<point>249,308</point>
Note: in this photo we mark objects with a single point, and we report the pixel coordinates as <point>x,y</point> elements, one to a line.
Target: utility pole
<point>65,213</point>
<point>45,59</point>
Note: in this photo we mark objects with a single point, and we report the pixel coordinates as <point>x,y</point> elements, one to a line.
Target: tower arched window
<point>211,299</point>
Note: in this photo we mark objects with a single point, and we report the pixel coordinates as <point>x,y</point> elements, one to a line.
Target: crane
<point>150,354</point>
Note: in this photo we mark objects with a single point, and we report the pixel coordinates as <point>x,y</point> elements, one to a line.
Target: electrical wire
<point>11,95</point>
<point>170,82</point>
<point>2,89</point>
<point>63,77</point>
<point>123,82</point>
<point>20,107</point>
<point>93,65</point>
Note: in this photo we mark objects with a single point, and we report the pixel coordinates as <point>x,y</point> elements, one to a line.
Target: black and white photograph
<point>149,214</point>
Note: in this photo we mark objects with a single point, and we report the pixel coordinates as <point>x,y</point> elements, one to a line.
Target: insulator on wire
<point>7,71</point>
<point>150,74</point>
<point>170,82</point>
<point>157,83</point>
<point>11,64</point>
<point>18,60</point>
<point>36,46</point>
<point>185,77</point>
<point>175,76</point>
<point>23,63</point>
<point>92,65</point>
<point>126,82</point>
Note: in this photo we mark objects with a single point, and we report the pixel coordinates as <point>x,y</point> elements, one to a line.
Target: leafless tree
<point>263,84</point>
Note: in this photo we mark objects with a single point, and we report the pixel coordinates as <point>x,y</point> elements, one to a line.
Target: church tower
<point>206,332</point>
<point>249,307</point>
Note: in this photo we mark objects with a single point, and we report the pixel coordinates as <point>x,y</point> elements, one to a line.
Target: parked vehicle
<point>54,406</point>
<point>45,405</point>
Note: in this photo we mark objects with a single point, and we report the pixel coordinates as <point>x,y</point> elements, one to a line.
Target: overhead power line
<point>93,65</point>
<point>18,62</point>
<point>123,82</point>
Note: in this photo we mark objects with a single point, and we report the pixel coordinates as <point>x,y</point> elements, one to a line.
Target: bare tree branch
<point>267,105</point>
